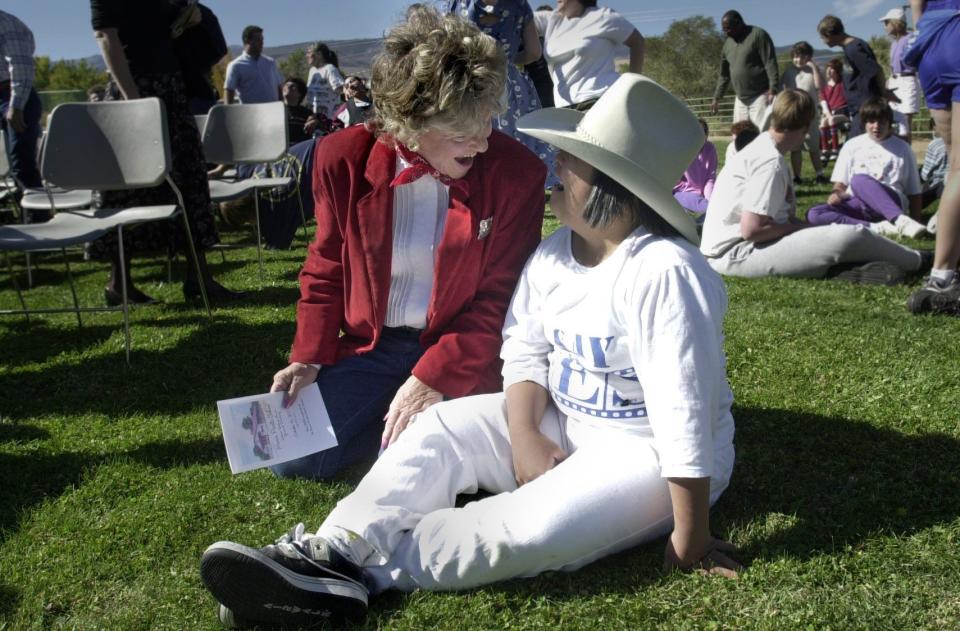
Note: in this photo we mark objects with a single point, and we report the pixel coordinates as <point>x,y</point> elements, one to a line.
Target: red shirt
<point>834,96</point>
<point>345,281</point>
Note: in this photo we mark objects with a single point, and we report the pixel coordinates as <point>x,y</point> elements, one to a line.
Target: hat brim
<point>558,127</point>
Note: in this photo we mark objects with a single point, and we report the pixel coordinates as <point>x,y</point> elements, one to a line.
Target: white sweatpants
<point>605,497</point>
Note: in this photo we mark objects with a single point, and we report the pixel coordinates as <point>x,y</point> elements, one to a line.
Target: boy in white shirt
<point>805,75</point>
<point>875,179</point>
<point>752,229</point>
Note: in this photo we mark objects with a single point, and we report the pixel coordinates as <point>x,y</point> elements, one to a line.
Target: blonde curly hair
<point>435,72</point>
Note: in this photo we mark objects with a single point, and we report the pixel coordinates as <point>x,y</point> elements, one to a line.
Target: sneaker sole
<point>257,588</point>
<point>874,273</point>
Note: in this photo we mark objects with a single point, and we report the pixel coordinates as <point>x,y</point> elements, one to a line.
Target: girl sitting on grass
<point>614,426</point>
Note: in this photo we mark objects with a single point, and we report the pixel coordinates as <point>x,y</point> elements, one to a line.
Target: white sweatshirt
<point>635,342</point>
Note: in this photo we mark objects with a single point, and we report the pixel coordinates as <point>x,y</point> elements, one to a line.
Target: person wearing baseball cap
<point>902,79</point>
<point>614,427</point>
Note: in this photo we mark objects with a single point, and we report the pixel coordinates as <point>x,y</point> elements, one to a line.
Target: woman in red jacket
<point>425,218</point>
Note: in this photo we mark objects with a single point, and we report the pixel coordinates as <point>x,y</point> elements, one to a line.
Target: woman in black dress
<point>136,43</point>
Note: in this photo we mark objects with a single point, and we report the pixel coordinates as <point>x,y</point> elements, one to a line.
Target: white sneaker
<point>883,227</point>
<point>909,227</point>
<point>932,224</point>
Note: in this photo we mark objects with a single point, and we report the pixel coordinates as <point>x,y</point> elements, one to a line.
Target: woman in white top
<point>580,44</point>
<point>614,427</point>
<point>323,81</point>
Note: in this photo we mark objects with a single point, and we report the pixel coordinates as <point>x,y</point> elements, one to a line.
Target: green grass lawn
<point>845,500</point>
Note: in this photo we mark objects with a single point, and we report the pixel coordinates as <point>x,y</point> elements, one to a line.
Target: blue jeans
<point>357,392</point>
<point>22,146</point>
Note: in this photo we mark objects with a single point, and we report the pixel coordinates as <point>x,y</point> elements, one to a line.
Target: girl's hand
<point>707,557</point>
<point>533,455</point>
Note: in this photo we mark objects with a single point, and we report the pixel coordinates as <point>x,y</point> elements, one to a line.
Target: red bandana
<point>420,167</point>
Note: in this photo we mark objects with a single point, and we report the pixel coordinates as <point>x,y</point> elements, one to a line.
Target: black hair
<point>328,55</point>
<point>249,32</point>
<point>745,137</point>
<point>802,49</point>
<point>301,86</point>
<point>876,109</point>
<point>732,17</point>
<point>609,199</point>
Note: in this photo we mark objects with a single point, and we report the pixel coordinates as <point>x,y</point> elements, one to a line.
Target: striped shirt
<point>419,215</point>
<point>934,169</point>
<point>16,48</point>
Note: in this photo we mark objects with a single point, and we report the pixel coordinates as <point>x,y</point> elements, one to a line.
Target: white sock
<point>943,276</point>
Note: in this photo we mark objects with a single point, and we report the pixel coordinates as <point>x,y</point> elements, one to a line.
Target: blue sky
<point>62,27</point>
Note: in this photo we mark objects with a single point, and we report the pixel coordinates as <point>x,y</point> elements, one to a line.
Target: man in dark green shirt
<point>749,62</point>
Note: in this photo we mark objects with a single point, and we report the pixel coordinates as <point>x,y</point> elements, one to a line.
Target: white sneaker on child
<point>883,227</point>
<point>909,227</point>
<point>932,224</point>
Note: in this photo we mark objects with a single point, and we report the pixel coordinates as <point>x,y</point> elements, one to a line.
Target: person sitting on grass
<point>875,179</point>
<point>752,229</point>
<point>614,427</point>
<point>933,175</point>
<point>696,184</point>
<point>423,228</point>
<point>736,129</point>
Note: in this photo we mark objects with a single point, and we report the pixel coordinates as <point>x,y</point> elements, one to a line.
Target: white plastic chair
<point>101,146</point>
<point>248,134</point>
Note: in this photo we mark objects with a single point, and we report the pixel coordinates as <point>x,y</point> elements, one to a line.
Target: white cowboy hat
<point>897,14</point>
<point>637,133</point>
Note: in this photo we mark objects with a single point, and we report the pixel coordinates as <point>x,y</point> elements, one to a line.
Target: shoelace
<point>292,542</point>
<point>295,543</point>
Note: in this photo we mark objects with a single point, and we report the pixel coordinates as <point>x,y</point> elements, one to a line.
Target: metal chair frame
<point>100,129</point>
<point>248,134</point>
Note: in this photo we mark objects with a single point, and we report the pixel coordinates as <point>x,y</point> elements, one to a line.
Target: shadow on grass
<point>220,359</point>
<point>845,482</point>
<point>38,340</point>
<point>29,479</point>
<point>9,600</point>
<point>19,433</point>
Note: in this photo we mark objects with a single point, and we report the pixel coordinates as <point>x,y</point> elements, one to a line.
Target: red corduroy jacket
<point>487,238</point>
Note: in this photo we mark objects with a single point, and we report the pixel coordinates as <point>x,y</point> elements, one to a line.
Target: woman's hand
<point>413,396</point>
<point>533,455</point>
<point>708,556</point>
<point>292,380</point>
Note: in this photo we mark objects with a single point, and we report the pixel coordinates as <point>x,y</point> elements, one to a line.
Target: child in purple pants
<point>875,179</point>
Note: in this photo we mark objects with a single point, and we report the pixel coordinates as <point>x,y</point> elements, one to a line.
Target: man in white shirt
<point>875,179</point>
<point>752,229</point>
<point>253,77</point>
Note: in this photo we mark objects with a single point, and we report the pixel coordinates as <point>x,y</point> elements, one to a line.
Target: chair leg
<point>190,244</point>
<point>196,261</point>
<point>123,292</point>
<point>73,289</point>
<point>16,286</point>
<point>29,266</point>
<point>256,210</point>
